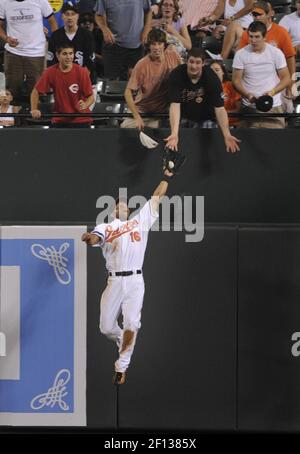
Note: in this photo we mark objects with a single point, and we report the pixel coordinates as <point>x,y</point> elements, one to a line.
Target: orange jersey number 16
<point>135,236</point>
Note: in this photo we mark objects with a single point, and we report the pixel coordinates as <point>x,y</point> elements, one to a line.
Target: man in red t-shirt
<point>71,87</point>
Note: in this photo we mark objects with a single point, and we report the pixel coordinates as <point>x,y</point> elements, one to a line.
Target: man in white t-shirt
<point>260,69</point>
<point>291,22</point>
<point>123,243</point>
<point>25,40</point>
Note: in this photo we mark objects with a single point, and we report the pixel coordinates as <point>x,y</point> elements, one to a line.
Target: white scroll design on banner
<point>54,396</point>
<point>54,258</point>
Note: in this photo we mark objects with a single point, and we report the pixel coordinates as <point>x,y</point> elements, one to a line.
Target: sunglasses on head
<point>257,14</point>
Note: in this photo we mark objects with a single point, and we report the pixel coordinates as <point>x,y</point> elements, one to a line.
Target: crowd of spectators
<point>155,45</point>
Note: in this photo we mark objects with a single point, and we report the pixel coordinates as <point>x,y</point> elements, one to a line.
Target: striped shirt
<point>194,10</point>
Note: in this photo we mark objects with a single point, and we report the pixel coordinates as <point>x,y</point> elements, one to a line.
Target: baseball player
<point>123,244</point>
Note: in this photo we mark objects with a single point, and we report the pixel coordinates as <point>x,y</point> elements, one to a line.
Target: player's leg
<point>110,309</point>
<point>131,309</point>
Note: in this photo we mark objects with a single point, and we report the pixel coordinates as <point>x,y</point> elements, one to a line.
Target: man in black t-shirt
<point>195,93</point>
<point>80,39</point>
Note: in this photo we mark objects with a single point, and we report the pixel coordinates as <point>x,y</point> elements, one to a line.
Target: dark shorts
<point>17,68</point>
<point>117,60</point>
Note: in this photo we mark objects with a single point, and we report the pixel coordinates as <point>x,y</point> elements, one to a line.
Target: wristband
<point>166,178</point>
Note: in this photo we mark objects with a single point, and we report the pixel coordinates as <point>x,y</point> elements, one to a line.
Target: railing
<point>148,115</point>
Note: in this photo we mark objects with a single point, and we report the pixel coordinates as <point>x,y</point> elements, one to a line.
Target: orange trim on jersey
<point>111,234</point>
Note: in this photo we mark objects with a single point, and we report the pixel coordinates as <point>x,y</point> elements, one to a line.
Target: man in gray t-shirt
<point>125,25</point>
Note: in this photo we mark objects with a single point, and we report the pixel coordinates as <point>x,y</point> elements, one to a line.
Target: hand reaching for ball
<point>167,173</point>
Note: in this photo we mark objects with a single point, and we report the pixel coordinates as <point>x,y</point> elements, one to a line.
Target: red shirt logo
<point>74,88</point>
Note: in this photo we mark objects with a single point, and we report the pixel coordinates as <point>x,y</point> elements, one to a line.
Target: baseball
<point>171,164</point>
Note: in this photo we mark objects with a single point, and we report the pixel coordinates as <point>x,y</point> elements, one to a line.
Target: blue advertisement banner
<point>43,326</point>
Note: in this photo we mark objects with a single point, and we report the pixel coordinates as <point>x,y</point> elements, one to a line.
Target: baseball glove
<point>172,160</point>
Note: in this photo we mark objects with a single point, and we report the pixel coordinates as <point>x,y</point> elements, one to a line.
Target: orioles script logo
<point>111,234</point>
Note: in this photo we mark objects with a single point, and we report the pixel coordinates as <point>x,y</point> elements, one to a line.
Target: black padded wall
<point>57,176</point>
<point>101,395</point>
<point>218,345</point>
<point>218,348</point>
<point>182,374</point>
<point>269,315</point>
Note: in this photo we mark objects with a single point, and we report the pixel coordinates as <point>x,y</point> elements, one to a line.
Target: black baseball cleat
<point>119,378</point>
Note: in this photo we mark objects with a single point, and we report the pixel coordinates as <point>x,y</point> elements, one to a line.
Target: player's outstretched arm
<point>174,115</point>
<point>90,238</point>
<point>161,189</point>
<point>172,162</point>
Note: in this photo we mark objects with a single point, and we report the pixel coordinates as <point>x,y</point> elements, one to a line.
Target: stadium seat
<point>282,6</point>
<point>44,107</point>
<point>113,91</point>
<point>277,18</point>
<point>106,108</point>
<point>295,122</point>
<point>212,44</point>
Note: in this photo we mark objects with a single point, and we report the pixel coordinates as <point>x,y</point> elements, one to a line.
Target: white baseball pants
<point>123,294</point>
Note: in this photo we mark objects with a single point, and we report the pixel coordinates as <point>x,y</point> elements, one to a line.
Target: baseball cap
<point>261,7</point>
<point>69,6</point>
<point>264,103</point>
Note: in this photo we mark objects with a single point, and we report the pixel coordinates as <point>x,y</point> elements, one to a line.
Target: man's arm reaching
<point>174,115</point>
<point>231,142</point>
<point>90,238</point>
<point>161,189</point>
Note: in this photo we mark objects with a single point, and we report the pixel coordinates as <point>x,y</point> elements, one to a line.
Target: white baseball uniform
<point>123,245</point>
